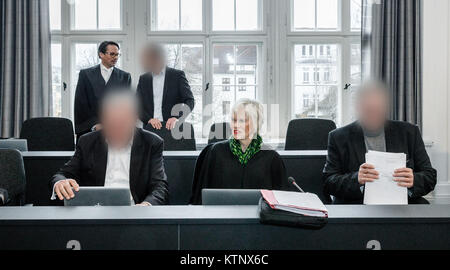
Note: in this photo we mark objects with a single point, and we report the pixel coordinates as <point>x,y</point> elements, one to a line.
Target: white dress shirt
<point>118,168</point>
<point>106,72</point>
<point>158,94</point>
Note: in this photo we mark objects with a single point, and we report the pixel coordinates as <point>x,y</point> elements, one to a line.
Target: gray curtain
<point>25,66</point>
<point>392,52</point>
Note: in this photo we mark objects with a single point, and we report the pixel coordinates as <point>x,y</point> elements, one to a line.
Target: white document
<point>301,203</point>
<point>385,191</point>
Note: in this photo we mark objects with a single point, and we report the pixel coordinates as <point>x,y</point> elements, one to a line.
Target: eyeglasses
<point>113,54</point>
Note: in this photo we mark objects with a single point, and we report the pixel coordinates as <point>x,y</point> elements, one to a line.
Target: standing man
<point>94,83</point>
<point>161,89</point>
<point>346,171</point>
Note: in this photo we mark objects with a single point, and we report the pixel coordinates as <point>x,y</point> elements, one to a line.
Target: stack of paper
<point>385,191</point>
<point>306,204</point>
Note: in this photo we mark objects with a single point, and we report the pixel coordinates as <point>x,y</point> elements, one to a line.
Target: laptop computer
<point>231,196</point>
<point>100,196</point>
<point>14,144</point>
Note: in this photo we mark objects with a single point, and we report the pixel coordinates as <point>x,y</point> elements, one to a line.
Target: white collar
<point>105,68</point>
<point>162,73</point>
<point>126,148</point>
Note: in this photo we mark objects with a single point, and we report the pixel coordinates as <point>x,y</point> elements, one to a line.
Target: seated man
<point>346,173</point>
<point>120,155</point>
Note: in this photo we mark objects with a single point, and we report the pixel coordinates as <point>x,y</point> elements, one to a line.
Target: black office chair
<point>48,134</point>
<point>308,134</point>
<point>12,178</point>
<point>184,140</point>
<point>219,132</point>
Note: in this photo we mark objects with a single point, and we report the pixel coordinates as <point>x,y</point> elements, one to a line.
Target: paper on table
<point>306,204</point>
<point>385,191</point>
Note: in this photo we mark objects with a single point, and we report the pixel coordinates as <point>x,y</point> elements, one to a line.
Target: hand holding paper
<point>404,177</point>
<point>386,190</point>
<point>367,173</point>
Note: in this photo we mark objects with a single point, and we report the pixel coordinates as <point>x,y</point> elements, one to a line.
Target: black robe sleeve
<point>85,114</point>
<point>201,175</point>
<point>278,173</point>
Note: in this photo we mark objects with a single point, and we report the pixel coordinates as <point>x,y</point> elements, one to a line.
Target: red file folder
<point>306,204</point>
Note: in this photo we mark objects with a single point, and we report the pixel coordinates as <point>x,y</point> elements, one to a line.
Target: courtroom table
<point>305,166</point>
<point>220,228</point>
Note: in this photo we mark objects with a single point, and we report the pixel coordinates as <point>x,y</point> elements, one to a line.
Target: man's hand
<point>367,174</point>
<point>404,177</point>
<point>156,124</point>
<point>171,123</point>
<point>64,189</point>
<point>144,204</point>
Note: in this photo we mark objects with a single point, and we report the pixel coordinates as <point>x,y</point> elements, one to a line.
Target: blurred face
<point>152,62</point>
<point>241,125</point>
<point>119,123</point>
<point>110,57</point>
<point>373,110</point>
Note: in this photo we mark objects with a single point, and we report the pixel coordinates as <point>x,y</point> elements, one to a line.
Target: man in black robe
<point>94,83</point>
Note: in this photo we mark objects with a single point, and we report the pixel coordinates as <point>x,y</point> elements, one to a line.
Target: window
<point>78,26</point>
<point>229,49</point>
<point>56,79</point>
<point>326,43</point>
<point>55,15</point>
<point>97,15</point>
<point>189,58</point>
<point>177,15</point>
<point>356,13</point>
<point>236,15</point>
<point>230,68</point>
<point>315,15</point>
<point>305,75</point>
<point>324,88</point>
<point>240,63</point>
<point>355,67</point>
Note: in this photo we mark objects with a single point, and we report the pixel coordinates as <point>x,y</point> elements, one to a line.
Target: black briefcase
<point>271,216</point>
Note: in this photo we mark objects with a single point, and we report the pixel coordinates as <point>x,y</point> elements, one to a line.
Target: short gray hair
<point>253,110</point>
<point>372,86</point>
<point>118,98</point>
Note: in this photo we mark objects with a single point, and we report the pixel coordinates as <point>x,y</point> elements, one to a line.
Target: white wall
<point>436,68</point>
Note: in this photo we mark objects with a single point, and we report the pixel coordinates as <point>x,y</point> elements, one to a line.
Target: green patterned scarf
<point>244,157</point>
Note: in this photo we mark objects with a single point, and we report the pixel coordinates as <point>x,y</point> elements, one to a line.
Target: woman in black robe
<point>242,162</point>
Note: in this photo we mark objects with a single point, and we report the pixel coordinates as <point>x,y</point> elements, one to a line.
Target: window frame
<point>340,24</point>
<point>207,23</point>
<point>71,26</point>
<point>343,37</point>
<point>317,41</point>
<point>209,37</point>
<point>275,56</point>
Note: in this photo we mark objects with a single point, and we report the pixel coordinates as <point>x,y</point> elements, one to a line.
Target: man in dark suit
<point>346,173</point>
<point>120,155</point>
<point>94,83</point>
<point>164,93</point>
